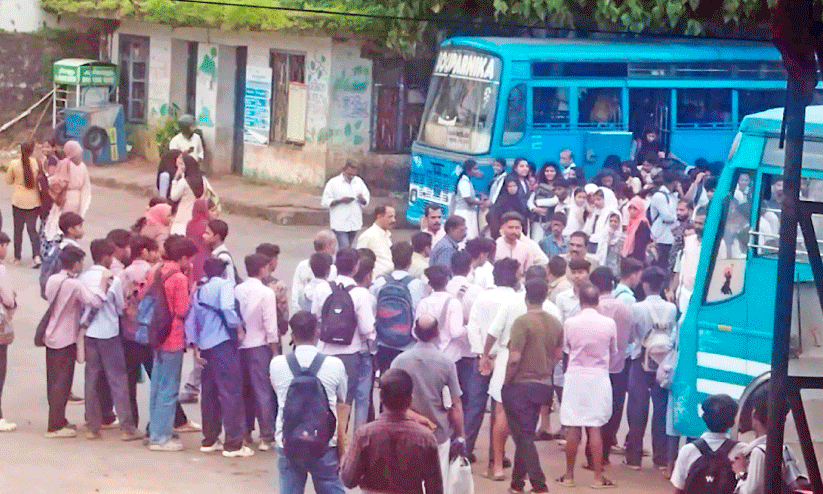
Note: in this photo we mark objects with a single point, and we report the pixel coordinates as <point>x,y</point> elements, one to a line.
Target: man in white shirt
<point>345,195</point>
<point>215,238</point>
<point>357,355</point>
<point>377,238</point>
<point>422,246</point>
<point>187,141</point>
<point>332,375</point>
<point>663,215</point>
<point>324,241</point>
<point>401,256</point>
<point>481,249</point>
<point>433,219</point>
<point>448,312</point>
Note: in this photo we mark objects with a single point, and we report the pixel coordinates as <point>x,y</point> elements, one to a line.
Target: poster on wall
<point>257,114</point>
<point>298,104</point>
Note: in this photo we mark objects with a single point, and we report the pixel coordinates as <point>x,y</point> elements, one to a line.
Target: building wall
<point>23,16</point>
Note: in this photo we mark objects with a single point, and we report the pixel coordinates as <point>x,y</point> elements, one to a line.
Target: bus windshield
<point>461,102</point>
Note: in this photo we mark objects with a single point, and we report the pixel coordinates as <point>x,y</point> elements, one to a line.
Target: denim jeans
<point>522,402</point>
<point>475,388</point>
<point>643,385</point>
<point>344,239</point>
<point>323,475</point>
<point>165,385</point>
<point>361,376</point>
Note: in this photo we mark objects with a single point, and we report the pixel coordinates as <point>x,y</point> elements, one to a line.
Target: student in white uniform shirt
<point>345,195</point>
<point>187,141</point>
<point>481,249</point>
<point>324,241</point>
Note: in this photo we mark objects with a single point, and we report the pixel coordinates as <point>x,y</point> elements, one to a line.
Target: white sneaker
<point>189,426</point>
<point>64,432</point>
<point>263,446</point>
<point>113,425</point>
<point>169,445</point>
<point>243,452</point>
<point>217,446</point>
<point>7,426</point>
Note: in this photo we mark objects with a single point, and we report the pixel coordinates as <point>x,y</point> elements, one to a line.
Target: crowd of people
<point>543,293</point>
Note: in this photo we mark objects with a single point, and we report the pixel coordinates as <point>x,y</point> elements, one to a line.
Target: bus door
<point>722,318</point>
<point>650,108</point>
<point>603,123</point>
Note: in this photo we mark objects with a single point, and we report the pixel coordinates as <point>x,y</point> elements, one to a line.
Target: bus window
<point>461,102</point>
<point>515,122</point>
<point>600,107</point>
<point>704,107</point>
<point>766,237</point>
<point>550,107</point>
<point>759,100</point>
<point>730,255</point>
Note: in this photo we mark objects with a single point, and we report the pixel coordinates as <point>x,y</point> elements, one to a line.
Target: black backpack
<point>338,320</point>
<point>308,422</point>
<point>712,473</point>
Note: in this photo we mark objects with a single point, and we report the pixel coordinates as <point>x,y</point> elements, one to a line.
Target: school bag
<point>49,259</point>
<point>712,473</point>
<point>658,342</point>
<point>395,312</point>
<point>308,422</point>
<point>153,323</point>
<point>338,318</point>
<point>237,278</point>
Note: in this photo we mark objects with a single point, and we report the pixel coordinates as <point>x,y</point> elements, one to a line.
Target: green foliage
<point>168,129</point>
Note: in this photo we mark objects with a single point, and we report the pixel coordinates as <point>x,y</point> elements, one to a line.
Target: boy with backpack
<point>311,388</point>
<point>215,238</point>
<point>105,360</point>
<point>167,297</point>
<point>397,295</point>
<point>320,264</point>
<point>71,226</point>
<point>654,331</point>
<point>281,291</point>
<point>211,328</point>
<point>705,465</point>
<point>258,313</point>
<point>346,314</point>
<point>67,296</point>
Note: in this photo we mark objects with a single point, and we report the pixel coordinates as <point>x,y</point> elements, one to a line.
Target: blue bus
<point>512,97</point>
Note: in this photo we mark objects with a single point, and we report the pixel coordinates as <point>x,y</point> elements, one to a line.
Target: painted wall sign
<point>257,114</point>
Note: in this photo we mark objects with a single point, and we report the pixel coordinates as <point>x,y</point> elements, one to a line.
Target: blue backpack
<point>395,312</point>
<point>49,259</point>
<point>153,323</point>
<point>308,422</point>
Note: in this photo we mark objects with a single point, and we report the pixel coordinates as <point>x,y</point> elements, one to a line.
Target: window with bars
<point>286,69</point>
<point>399,96</point>
<point>134,77</point>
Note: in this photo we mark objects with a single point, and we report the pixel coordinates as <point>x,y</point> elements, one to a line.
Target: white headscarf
<point>604,242</point>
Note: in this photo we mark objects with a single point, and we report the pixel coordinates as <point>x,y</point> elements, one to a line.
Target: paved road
<point>33,464</point>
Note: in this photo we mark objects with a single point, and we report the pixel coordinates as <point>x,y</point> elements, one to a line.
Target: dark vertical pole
<point>805,436</point>
<point>795,117</point>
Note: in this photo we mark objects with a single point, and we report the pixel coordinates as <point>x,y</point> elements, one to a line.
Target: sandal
<point>496,477</point>
<point>565,482</point>
<point>604,484</point>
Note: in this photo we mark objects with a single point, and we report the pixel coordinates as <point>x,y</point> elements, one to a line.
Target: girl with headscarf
<point>186,187</point>
<point>509,200</point>
<point>25,201</point>
<point>165,171</point>
<point>200,217</point>
<point>577,212</point>
<point>157,223</point>
<point>638,233</point>
<point>542,199</point>
<point>610,245</point>
<point>598,220</point>
<point>69,186</point>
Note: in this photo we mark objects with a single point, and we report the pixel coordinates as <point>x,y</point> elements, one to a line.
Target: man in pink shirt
<point>621,313</point>
<point>590,340</point>
<point>68,296</point>
<point>510,244</point>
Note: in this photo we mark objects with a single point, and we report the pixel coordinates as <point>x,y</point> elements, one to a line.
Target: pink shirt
<point>454,340</point>
<point>520,252</point>
<point>69,302</point>
<point>621,314</point>
<point>258,308</point>
<point>590,340</point>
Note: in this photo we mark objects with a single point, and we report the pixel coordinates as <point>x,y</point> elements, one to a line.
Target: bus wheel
<point>744,413</point>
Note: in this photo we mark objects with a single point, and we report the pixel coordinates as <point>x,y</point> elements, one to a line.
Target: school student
<point>210,325</point>
<point>215,238</point>
<point>104,348</point>
<point>7,298</point>
<point>281,291</point>
<point>67,295</point>
<point>258,311</point>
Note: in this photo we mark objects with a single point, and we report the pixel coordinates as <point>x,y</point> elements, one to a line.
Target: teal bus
<point>725,339</point>
<point>532,98</point>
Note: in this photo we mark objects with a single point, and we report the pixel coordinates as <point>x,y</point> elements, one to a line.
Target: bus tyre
<point>744,413</point>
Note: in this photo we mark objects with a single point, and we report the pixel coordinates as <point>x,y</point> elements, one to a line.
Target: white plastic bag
<point>460,477</point>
